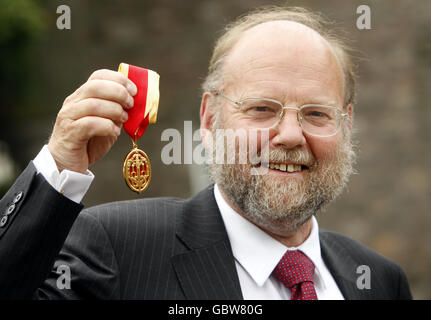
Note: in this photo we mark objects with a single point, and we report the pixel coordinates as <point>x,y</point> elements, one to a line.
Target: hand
<point>90,120</point>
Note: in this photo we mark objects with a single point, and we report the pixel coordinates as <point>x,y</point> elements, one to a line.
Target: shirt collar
<point>257,252</point>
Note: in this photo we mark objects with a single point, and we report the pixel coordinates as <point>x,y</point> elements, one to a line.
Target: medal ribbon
<point>146,100</point>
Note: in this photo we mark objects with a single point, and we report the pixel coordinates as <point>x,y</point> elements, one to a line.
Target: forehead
<point>284,60</point>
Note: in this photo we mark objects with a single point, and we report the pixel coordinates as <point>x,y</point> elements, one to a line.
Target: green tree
<point>21,22</point>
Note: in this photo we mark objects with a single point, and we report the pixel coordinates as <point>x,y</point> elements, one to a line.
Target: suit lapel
<point>343,267</point>
<point>207,269</point>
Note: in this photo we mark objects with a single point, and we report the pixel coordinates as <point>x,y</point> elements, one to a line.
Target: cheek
<point>233,121</point>
<point>324,148</point>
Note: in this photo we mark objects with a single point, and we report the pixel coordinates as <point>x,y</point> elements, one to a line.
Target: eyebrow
<point>325,103</point>
<point>314,100</point>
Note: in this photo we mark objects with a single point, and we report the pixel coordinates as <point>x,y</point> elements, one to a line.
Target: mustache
<point>294,155</point>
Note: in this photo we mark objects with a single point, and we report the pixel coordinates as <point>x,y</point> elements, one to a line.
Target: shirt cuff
<point>72,185</point>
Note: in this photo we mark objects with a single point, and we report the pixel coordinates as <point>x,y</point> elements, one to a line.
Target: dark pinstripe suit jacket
<point>146,249</point>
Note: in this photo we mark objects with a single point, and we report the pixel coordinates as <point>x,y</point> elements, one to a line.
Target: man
<point>253,234</point>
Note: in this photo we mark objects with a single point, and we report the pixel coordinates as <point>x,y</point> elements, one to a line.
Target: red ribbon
<point>137,123</point>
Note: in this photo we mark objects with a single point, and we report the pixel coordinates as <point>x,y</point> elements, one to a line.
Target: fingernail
<point>124,116</point>
<point>130,101</point>
<point>117,130</point>
<point>131,87</point>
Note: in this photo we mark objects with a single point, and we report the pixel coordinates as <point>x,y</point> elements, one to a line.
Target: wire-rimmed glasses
<point>314,119</point>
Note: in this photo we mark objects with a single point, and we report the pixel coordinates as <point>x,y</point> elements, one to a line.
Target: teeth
<point>283,167</point>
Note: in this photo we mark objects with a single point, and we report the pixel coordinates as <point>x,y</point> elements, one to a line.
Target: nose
<point>288,133</point>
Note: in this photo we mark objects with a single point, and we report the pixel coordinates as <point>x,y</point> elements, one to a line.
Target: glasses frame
<point>340,115</point>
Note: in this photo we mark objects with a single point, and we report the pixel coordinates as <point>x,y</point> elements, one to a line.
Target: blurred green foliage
<point>21,23</point>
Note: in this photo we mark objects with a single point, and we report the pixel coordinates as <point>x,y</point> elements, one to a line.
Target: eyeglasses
<point>316,120</point>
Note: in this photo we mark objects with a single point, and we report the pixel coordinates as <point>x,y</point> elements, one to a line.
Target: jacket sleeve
<point>35,220</point>
<point>404,292</point>
<point>86,267</point>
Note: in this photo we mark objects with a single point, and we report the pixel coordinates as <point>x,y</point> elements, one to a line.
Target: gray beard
<point>282,206</point>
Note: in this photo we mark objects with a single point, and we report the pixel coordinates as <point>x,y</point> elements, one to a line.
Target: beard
<point>282,205</point>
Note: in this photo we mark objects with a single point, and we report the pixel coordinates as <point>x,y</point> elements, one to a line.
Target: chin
<point>284,225</point>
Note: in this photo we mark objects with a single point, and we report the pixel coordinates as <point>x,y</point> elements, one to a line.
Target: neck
<point>289,239</point>
<point>296,238</point>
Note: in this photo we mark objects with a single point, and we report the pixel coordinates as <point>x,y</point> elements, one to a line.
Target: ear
<point>206,116</point>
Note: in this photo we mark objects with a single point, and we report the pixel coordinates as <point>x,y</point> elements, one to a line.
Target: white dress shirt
<point>73,185</point>
<point>257,254</point>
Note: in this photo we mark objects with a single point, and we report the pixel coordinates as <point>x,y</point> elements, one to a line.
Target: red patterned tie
<point>295,270</point>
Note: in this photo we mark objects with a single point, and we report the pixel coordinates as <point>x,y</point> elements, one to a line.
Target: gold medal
<point>137,169</point>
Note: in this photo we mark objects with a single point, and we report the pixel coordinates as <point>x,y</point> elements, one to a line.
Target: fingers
<point>108,85</point>
<point>97,107</point>
<point>106,90</point>
<point>95,110</point>
<point>102,98</point>
<point>90,126</point>
<point>105,74</point>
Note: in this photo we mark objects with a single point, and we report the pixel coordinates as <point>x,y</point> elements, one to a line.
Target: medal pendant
<point>137,169</point>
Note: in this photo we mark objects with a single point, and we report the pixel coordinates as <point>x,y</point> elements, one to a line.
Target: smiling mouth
<point>285,167</point>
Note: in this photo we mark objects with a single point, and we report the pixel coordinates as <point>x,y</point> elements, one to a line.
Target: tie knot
<point>294,268</point>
